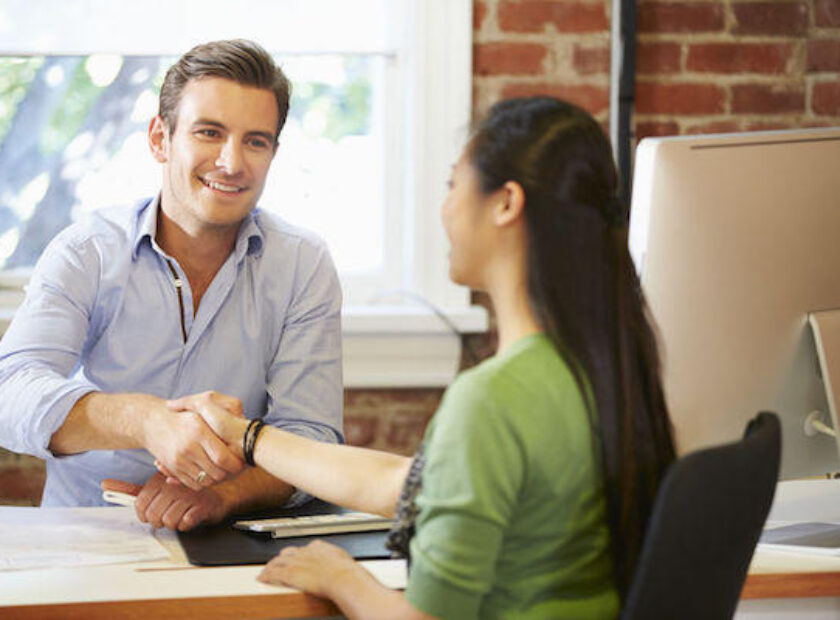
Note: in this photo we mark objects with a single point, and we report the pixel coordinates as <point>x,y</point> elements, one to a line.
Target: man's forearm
<point>254,489</point>
<point>101,421</point>
<point>182,443</point>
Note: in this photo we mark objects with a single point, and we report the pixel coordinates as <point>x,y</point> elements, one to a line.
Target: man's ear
<point>158,136</point>
<point>510,208</point>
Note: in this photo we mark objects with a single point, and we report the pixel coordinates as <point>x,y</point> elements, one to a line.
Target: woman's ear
<point>158,136</point>
<point>510,206</point>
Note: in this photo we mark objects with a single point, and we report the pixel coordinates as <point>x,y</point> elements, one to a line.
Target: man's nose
<point>230,156</point>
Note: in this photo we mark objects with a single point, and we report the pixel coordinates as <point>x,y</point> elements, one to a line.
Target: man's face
<point>217,159</point>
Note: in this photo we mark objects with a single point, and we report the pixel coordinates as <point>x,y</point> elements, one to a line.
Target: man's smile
<point>221,187</point>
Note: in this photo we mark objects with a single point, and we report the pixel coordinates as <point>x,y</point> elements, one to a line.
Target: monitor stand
<point>826,328</point>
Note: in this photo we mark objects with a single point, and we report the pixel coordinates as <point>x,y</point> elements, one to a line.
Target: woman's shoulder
<point>522,367</point>
<point>530,376</point>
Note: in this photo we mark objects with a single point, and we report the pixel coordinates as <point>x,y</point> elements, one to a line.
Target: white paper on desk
<point>62,537</point>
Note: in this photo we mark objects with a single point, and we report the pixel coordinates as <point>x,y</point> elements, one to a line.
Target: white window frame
<point>385,345</point>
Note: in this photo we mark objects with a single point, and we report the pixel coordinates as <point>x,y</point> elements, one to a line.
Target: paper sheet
<point>62,537</point>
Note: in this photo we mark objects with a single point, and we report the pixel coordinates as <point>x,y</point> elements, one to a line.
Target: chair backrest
<point>705,524</point>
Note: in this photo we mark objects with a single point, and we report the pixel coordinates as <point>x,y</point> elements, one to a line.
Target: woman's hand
<point>328,571</point>
<point>222,413</point>
<point>319,568</point>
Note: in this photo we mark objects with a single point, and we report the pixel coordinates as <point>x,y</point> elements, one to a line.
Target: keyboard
<point>317,525</point>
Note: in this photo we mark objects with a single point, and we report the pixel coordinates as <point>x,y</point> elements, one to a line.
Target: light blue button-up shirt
<point>102,314</point>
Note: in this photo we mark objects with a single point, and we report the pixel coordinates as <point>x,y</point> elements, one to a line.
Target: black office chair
<point>706,521</point>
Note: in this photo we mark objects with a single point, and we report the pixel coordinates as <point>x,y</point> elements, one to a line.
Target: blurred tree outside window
<point>73,139</point>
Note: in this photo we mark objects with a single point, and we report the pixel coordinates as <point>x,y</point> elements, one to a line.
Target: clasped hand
<point>187,450</point>
<point>190,437</point>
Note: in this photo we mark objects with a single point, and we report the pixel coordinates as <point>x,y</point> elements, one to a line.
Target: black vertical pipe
<point>623,90</point>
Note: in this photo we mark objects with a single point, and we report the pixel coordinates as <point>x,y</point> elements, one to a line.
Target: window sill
<point>384,346</point>
<point>398,346</point>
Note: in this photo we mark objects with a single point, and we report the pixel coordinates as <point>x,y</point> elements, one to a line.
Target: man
<point>194,290</point>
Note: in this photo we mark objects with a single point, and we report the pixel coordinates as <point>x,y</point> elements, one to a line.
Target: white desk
<point>779,586</point>
<point>162,589</point>
<point>792,586</point>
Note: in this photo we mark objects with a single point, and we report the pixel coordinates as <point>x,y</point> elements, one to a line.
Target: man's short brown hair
<point>239,60</point>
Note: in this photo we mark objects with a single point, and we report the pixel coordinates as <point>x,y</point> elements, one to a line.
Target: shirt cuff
<point>47,425</point>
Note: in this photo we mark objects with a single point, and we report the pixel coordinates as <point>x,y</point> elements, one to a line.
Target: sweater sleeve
<point>472,476</point>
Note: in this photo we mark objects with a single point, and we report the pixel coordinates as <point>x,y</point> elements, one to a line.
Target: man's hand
<point>172,506</point>
<point>182,443</point>
<point>222,413</point>
<point>185,446</point>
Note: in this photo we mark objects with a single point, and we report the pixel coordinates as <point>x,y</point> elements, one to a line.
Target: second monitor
<point>737,240</point>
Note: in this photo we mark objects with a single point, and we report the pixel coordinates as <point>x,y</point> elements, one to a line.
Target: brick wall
<point>527,47</point>
<point>737,65</point>
<point>703,66</point>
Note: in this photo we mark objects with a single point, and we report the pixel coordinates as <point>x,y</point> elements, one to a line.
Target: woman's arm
<point>358,478</point>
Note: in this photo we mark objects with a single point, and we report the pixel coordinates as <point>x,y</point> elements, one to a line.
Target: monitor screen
<point>737,239</point>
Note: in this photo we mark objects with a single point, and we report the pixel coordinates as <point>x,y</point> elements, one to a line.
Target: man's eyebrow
<point>258,133</point>
<point>207,121</point>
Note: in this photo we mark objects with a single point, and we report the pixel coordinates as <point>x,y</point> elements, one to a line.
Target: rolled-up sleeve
<point>40,351</point>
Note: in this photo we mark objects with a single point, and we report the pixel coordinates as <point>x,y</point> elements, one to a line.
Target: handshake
<point>198,445</point>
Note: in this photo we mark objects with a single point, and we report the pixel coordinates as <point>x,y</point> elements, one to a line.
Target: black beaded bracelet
<point>249,440</point>
<point>246,438</point>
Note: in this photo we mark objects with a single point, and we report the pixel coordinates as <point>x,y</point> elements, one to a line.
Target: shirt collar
<point>249,239</point>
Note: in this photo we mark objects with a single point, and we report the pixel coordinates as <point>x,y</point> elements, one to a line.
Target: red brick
<point>360,430</point>
<point>405,433</point>
<point>767,58</point>
<point>379,401</point>
<point>681,17</point>
<point>479,13</point>
<point>651,129</point>
<point>824,55</point>
<point>508,58</point>
<point>535,15</point>
<point>658,57</point>
<point>771,18</point>
<point>679,98</point>
<point>591,60</point>
<point>764,99</point>
<point>478,347</point>
<point>713,127</point>
<point>593,99</point>
<point>370,414</point>
<point>828,13</point>
<point>826,98</point>
<point>21,485</point>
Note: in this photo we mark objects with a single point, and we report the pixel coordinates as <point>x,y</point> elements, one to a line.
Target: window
<point>74,134</point>
<point>380,109</point>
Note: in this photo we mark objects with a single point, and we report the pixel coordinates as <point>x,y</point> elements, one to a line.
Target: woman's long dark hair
<point>586,295</point>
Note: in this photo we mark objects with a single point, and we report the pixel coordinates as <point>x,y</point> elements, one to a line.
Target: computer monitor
<point>737,241</point>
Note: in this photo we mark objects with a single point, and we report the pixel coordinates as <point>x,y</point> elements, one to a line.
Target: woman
<point>537,473</point>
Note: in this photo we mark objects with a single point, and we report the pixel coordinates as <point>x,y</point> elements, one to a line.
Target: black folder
<point>223,545</point>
